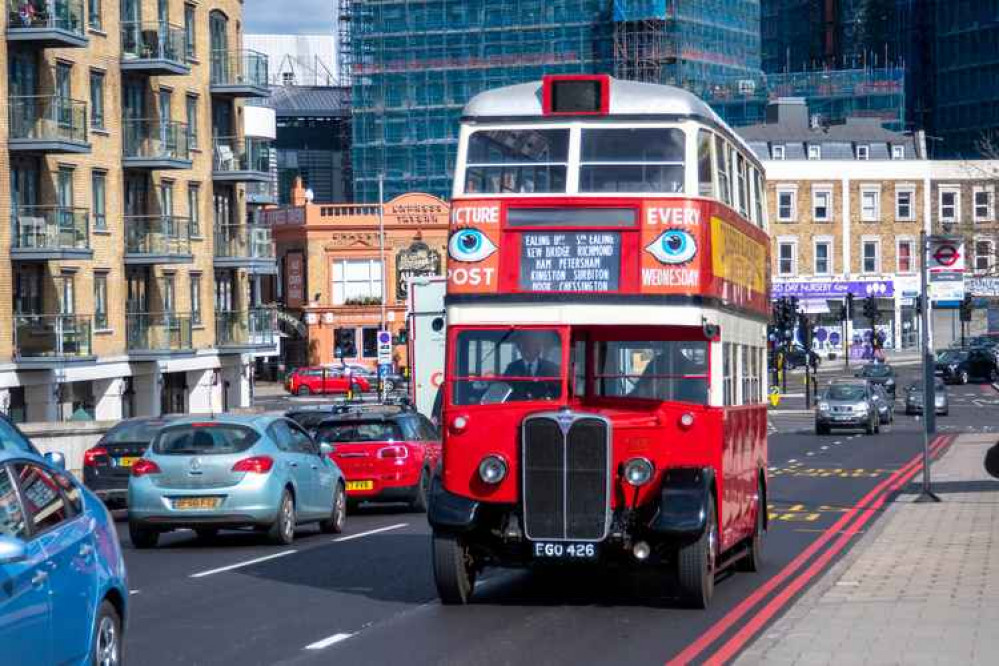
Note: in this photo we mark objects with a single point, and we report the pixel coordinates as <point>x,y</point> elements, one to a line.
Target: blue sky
<point>289,16</point>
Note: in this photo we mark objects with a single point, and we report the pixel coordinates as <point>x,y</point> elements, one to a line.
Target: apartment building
<point>128,272</point>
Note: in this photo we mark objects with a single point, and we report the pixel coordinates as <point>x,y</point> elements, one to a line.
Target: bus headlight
<point>492,470</point>
<point>638,471</point>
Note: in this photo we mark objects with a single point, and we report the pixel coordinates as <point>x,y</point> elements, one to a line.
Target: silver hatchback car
<point>261,472</point>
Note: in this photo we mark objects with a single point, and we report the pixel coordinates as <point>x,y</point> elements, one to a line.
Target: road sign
<point>946,253</point>
<point>383,370</point>
<point>384,347</point>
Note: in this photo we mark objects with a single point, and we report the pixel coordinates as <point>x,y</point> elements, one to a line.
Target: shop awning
<point>814,306</point>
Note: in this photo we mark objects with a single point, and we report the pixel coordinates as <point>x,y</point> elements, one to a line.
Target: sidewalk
<point>921,588</point>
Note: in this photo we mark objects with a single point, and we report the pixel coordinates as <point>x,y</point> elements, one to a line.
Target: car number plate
<point>127,461</point>
<point>360,485</point>
<point>564,550</point>
<point>189,503</point>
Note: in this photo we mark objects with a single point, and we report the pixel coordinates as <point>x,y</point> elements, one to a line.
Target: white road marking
<point>369,533</point>
<point>792,461</point>
<point>825,448</point>
<point>838,442</point>
<point>810,453</point>
<point>239,565</point>
<point>326,642</point>
<point>134,591</point>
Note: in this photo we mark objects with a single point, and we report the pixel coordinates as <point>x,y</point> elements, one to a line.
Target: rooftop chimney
<point>789,112</point>
<point>298,197</point>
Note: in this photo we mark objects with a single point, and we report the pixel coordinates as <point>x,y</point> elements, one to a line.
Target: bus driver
<point>532,365</point>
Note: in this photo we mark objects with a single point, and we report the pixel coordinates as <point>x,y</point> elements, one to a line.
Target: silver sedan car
<point>261,472</point>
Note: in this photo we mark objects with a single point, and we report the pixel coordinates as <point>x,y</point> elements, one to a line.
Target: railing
<point>242,328</point>
<point>149,138</point>
<point>153,41</point>
<point>65,15</point>
<point>52,336</point>
<point>239,67</point>
<point>233,154</point>
<point>159,331</point>
<point>51,228</point>
<point>48,118</point>
<point>165,235</point>
<point>244,241</point>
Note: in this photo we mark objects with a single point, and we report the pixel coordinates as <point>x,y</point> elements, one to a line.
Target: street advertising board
<point>816,289</point>
<point>425,318</point>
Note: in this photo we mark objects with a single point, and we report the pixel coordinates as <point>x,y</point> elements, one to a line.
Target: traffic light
<point>403,336</point>
<point>871,309</point>
<point>848,309</point>
<point>806,329</point>
<point>343,341</point>
<point>967,309</point>
<point>919,304</point>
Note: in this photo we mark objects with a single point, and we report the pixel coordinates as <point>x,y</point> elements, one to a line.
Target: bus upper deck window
<point>705,174</point>
<point>643,159</point>
<point>517,160</point>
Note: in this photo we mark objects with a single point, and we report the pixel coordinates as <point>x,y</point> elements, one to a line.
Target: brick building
<point>129,275</point>
<point>333,266</point>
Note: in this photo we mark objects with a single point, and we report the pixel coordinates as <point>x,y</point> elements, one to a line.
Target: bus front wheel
<point>454,570</point>
<point>696,563</point>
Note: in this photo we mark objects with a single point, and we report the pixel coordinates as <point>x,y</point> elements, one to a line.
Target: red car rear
<point>319,380</point>
<point>385,457</point>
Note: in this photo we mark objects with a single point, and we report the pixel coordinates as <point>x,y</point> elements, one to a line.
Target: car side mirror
<point>12,550</point>
<point>56,459</point>
<point>325,449</point>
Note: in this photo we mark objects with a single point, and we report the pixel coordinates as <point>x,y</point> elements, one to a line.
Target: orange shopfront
<point>333,264</point>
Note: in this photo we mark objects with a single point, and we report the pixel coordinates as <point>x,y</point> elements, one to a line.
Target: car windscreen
<point>204,439</point>
<point>139,431</point>
<point>12,440</point>
<point>952,356</point>
<point>308,420</point>
<point>359,431</point>
<point>845,392</point>
<point>877,371</point>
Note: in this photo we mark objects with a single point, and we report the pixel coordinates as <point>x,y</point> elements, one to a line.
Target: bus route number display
<point>572,261</point>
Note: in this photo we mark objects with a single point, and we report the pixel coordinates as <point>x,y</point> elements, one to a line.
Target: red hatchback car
<point>319,380</point>
<point>384,456</point>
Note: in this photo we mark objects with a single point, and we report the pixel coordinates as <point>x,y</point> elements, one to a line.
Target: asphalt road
<point>367,596</point>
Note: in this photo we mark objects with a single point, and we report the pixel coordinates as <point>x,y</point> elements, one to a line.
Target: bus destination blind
<point>572,261</point>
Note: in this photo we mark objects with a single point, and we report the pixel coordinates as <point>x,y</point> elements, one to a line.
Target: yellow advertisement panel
<point>737,258</point>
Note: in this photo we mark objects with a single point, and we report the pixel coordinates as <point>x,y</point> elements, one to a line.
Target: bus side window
<point>721,166</point>
<point>705,174</point>
<point>578,388</point>
<point>727,369</point>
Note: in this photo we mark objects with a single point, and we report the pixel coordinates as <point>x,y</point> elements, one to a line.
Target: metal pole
<point>381,241</point>
<point>929,389</point>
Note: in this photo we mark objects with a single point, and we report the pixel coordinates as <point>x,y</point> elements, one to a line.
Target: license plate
<point>564,550</point>
<point>360,485</point>
<point>189,503</point>
<point>127,461</point>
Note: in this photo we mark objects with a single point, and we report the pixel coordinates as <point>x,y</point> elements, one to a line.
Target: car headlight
<point>940,400</point>
<point>823,406</point>
<point>862,408</point>
<point>890,382</point>
<point>492,470</point>
<point>638,471</point>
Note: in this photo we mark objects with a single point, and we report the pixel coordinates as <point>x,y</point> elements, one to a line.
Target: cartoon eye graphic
<point>674,246</point>
<point>470,245</point>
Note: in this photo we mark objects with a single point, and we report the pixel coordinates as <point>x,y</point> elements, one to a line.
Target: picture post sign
<point>418,260</point>
<point>570,261</point>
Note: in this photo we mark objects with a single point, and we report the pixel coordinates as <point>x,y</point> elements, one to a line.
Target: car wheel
<point>993,376</point>
<point>696,564</point>
<point>821,429</point>
<point>282,532</point>
<point>869,428</point>
<point>142,537</point>
<point>107,644</point>
<point>419,501</point>
<point>338,516</point>
<point>303,390</point>
<point>454,570</point>
<point>753,561</point>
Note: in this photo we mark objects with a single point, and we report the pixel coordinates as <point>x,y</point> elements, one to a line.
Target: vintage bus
<point>607,303</point>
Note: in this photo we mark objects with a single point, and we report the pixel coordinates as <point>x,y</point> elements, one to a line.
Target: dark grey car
<point>914,398</point>
<point>847,404</point>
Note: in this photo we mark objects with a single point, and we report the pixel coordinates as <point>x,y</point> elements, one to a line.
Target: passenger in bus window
<point>532,365</point>
<point>677,374</point>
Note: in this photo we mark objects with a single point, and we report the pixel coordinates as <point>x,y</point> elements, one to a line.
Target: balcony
<point>47,23</point>
<point>157,239</point>
<point>261,193</point>
<point>241,331</point>
<point>242,160</point>
<point>245,246</point>
<point>45,340</point>
<point>153,335</point>
<point>155,144</point>
<point>156,49</point>
<point>48,124</point>
<point>241,73</point>
<point>50,232</point>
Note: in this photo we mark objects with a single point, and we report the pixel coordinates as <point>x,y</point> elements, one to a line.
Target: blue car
<point>261,472</point>
<point>63,593</point>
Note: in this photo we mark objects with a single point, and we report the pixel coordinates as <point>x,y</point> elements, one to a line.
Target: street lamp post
<point>929,389</point>
<point>381,253</point>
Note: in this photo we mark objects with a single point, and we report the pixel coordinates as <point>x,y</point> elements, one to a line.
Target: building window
<point>949,205</point>
<point>823,257</point>
<point>787,258</point>
<point>863,152</point>
<point>169,294</point>
<point>872,256</point>
<point>777,151</point>
<point>904,256</point>
<point>787,204</point>
<point>345,343</point>
<point>983,205</point>
<point>369,342</point>
<point>814,152</point>
<point>870,205</point>
<point>903,205</point>
<point>97,100</point>
<point>98,188</point>
<point>983,255</point>
<point>101,301</point>
<point>194,208</point>
<point>189,42</point>
<point>357,282</point>
<point>94,14</point>
<point>898,152</point>
<point>821,205</point>
<point>196,299</point>
<point>192,121</point>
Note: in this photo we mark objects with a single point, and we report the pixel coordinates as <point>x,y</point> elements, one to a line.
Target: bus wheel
<point>454,570</point>
<point>696,564</point>
<point>753,561</point>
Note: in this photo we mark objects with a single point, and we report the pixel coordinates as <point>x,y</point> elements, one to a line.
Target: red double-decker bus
<point>607,302</point>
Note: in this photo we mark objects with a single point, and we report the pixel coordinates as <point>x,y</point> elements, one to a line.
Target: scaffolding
<point>646,44</point>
